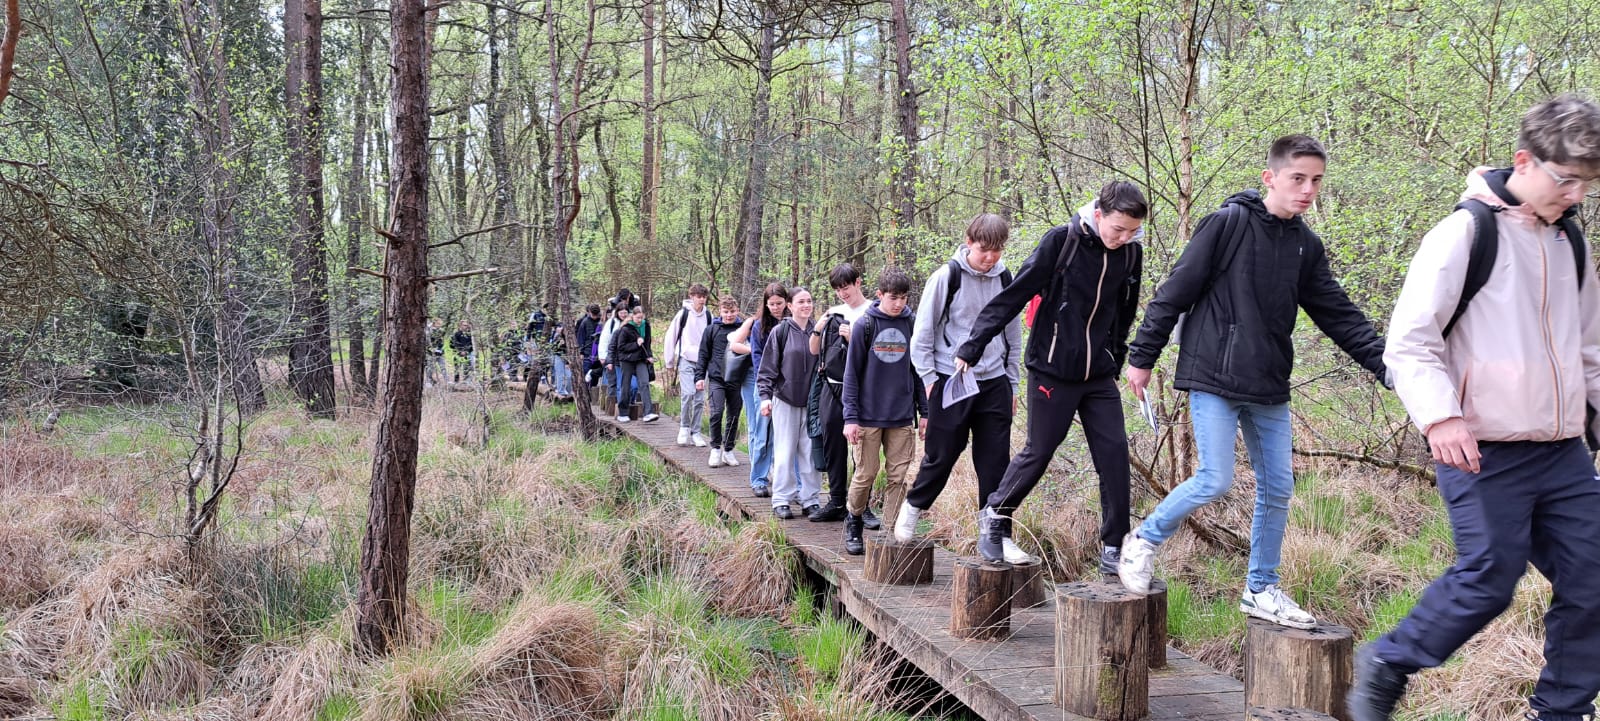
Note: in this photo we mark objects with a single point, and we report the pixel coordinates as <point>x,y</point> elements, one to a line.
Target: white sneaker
<point>905,524</point>
<point>716,458</point>
<point>1138,562</point>
<point>728,459</point>
<point>683,436</point>
<point>1014,553</point>
<point>650,417</point>
<point>699,439</point>
<point>1272,604</point>
<point>622,419</point>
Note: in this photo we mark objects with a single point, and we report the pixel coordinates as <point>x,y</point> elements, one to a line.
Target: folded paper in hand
<point>959,387</point>
<point>1149,413</point>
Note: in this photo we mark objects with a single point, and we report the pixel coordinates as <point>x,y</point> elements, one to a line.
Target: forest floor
<point>554,578</point>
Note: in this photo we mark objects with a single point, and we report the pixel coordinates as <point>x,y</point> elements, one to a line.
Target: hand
<point>961,366</point>
<point>766,408</point>
<point>699,385</point>
<point>610,367</point>
<point>844,331</point>
<point>922,429</point>
<point>1453,445</point>
<point>1138,378</point>
<point>641,341</point>
<point>852,433</point>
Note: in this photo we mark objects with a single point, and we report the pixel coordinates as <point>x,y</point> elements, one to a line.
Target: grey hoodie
<point>935,340</point>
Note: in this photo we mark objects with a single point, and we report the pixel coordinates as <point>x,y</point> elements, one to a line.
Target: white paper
<point>1149,413</point>
<point>959,387</point>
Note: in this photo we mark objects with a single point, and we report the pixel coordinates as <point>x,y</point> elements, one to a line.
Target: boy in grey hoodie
<point>951,302</point>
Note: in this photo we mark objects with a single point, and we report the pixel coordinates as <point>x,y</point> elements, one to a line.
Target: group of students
<point>536,350</point>
<point>1493,348</point>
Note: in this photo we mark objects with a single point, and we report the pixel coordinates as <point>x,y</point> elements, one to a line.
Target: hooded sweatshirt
<point>683,334</point>
<point>1524,359</point>
<point>938,334</point>
<point>1081,330</point>
<point>787,376</point>
<point>713,350</point>
<point>1241,294</point>
<point>881,388</point>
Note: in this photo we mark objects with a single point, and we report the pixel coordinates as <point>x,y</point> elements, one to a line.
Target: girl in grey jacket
<point>787,367</point>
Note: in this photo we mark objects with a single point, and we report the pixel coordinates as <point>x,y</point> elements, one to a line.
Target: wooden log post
<point>1298,669</point>
<point>1102,651</point>
<point>1028,585</point>
<point>636,411</point>
<point>1158,623</point>
<point>1256,713</point>
<point>899,564</point>
<point>980,600</point>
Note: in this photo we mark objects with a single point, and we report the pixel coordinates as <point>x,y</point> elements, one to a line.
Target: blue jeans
<point>1269,440</point>
<point>563,376</point>
<point>760,433</point>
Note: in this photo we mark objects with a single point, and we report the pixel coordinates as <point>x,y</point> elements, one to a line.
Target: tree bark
<point>8,47</point>
<point>354,210</point>
<point>752,204</point>
<point>647,165</point>
<point>905,181</point>
<point>386,547</point>
<point>501,248</point>
<point>310,353</point>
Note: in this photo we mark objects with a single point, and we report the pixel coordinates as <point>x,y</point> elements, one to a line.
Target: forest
<point>224,225</point>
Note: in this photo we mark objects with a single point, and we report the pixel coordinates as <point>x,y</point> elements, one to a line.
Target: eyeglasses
<point>1564,183</point>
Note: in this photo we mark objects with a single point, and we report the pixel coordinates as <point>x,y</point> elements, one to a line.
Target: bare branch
<point>365,271</point>
<point>479,231</point>
<point>463,274</point>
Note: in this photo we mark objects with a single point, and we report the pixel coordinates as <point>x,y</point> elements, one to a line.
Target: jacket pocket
<point>1228,343</point>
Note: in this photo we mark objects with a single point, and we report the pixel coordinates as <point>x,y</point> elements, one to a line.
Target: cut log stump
<point>899,564</point>
<point>1256,713</point>
<point>1102,651</point>
<point>1158,624</point>
<point>1028,585</point>
<point>980,600</point>
<point>1298,669</point>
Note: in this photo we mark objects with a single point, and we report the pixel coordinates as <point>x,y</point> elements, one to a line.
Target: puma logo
<point>1046,391</point>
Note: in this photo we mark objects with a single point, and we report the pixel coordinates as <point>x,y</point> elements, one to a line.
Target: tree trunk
<point>355,214</point>
<point>310,353</point>
<point>905,181</point>
<point>563,210</point>
<point>752,204</point>
<point>647,165</point>
<point>501,250</point>
<point>386,548</point>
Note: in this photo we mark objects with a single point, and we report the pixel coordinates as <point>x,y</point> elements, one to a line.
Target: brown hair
<point>1285,149</point>
<point>1564,130</point>
<point>989,231</point>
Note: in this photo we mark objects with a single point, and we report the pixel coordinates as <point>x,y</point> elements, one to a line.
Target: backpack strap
<point>1580,247</point>
<point>952,286</point>
<point>1480,260</point>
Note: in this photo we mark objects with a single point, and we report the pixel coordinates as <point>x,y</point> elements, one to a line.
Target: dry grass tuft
<point>546,662</point>
<point>870,683</point>
<point>33,562</point>
<point>754,574</point>
<point>312,674</point>
<point>216,708</point>
<point>16,695</point>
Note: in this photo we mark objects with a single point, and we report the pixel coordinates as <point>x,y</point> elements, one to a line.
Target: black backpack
<point>952,286</point>
<point>1486,246</point>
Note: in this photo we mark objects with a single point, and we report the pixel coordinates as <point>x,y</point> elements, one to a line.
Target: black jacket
<point>625,346</point>
<point>587,331</point>
<point>1241,294</point>
<point>713,349</point>
<point>461,342</point>
<point>1080,331</point>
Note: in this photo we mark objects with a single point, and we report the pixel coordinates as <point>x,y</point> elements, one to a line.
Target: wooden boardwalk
<point>1009,680</point>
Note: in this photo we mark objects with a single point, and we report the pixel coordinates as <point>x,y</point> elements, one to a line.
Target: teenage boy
<point>1088,274</point>
<point>683,354</point>
<point>720,383</point>
<point>1499,385</point>
<point>830,341</point>
<point>588,333</point>
<point>952,300</point>
<point>1247,268</point>
<point>883,398</point>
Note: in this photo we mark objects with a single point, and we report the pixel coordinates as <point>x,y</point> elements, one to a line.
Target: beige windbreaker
<point>1524,359</point>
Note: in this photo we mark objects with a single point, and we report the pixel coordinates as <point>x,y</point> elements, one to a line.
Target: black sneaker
<point>761,490</point>
<point>827,513</point>
<point>852,536</point>
<point>1377,689</point>
<point>809,511</point>
<point>991,533</point>
<point>1110,558</point>
<point>871,520</point>
<point>782,512</point>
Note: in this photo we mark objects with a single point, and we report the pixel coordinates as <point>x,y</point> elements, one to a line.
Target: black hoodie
<point>881,388</point>
<point>713,349</point>
<point>1241,295</point>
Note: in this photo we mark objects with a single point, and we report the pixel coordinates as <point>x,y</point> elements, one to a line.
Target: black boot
<point>828,512</point>
<point>871,519</point>
<point>991,532</point>
<point>852,536</point>
<point>1377,689</point>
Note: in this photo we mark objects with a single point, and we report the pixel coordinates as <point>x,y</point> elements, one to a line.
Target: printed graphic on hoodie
<point>890,345</point>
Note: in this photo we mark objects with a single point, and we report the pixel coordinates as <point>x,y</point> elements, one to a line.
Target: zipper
<point>1227,348</point>
<point>1055,332</point>
<point>1549,340</point>
<point>1088,348</point>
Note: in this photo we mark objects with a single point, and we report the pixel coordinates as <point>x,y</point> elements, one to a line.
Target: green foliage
<point>1193,619</point>
<point>82,701</point>
<point>338,707</point>
<point>825,646</point>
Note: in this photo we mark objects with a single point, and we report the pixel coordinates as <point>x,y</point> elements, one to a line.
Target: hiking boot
<point>809,511</point>
<point>715,461</point>
<point>871,519</point>
<point>648,417</point>
<point>852,535</point>
<point>1138,562</point>
<point>905,524</point>
<point>1014,553</point>
<point>729,459</point>
<point>698,439</point>
<point>828,513</point>
<point>1110,556</point>
<point>991,536</point>
<point>783,512</point>
<point>1377,689</point>
<point>761,490</point>
<point>1272,604</point>
<point>683,436</point>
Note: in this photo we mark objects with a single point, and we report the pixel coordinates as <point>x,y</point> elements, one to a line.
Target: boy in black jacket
<point>1088,273</point>
<point>1241,278</point>
<point>883,398</point>
<point>710,374</point>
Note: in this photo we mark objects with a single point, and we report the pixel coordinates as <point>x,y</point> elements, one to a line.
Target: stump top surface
<point>887,539</point>
<point>1323,632</point>
<point>1257,713</point>
<point>1010,680</point>
<point>1098,591</point>
<point>974,562</point>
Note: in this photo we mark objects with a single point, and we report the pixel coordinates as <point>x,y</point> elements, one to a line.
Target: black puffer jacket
<point>1241,294</point>
<point>625,346</point>
<point>713,349</point>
